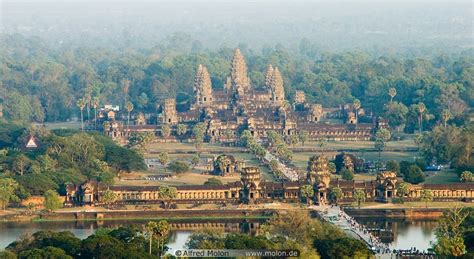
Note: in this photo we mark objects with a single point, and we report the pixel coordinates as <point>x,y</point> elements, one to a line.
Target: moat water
<point>405,233</point>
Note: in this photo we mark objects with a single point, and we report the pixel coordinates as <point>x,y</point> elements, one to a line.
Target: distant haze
<point>334,25</point>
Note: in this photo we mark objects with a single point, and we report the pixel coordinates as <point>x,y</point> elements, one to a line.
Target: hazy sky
<point>215,23</point>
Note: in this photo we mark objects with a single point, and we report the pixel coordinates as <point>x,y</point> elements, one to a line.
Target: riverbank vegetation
<point>455,233</point>
<point>60,157</point>
<point>291,230</point>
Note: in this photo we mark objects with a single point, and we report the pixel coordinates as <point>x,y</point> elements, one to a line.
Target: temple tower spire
<point>239,78</point>
<point>276,86</point>
<point>268,76</point>
<point>203,85</point>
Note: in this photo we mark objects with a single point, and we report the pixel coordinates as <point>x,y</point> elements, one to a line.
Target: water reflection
<point>181,229</point>
<point>404,234</point>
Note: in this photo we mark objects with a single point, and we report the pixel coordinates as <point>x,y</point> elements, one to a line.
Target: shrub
<point>178,167</point>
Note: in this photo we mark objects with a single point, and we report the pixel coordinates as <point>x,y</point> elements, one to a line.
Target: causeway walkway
<point>339,218</point>
<point>288,172</point>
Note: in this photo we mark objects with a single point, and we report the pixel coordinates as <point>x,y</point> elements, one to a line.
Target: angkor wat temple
<point>240,105</point>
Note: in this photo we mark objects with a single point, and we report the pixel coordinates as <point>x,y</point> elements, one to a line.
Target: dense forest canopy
<point>40,82</point>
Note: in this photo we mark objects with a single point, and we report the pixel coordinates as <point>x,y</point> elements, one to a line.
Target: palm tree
<point>106,126</point>
<point>129,107</point>
<point>81,103</point>
<point>421,110</point>
<point>161,232</point>
<point>151,227</point>
<point>88,99</point>
<point>307,191</point>
<point>445,116</point>
<point>95,104</point>
<point>392,92</point>
<point>357,105</point>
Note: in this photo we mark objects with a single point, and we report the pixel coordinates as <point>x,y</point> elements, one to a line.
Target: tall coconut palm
<point>106,126</point>
<point>150,230</point>
<point>357,105</point>
<point>81,103</point>
<point>95,104</point>
<point>88,99</point>
<point>445,116</point>
<point>421,110</point>
<point>392,92</point>
<point>161,232</point>
<point>129,107</point>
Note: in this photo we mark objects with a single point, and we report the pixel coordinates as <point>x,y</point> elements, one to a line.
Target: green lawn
<point>444,176</point>
<point>337,145</point>
<point>63,125</point>
<point>189,147</point>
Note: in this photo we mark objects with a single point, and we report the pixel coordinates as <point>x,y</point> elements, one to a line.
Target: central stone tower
<point>240,81</point>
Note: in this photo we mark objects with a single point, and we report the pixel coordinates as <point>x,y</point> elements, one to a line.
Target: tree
<point>109,197</point>
<point>161,232</point>
<point>47,252</point>
<point>343,247</point>
<point>178,167</point>
<point>95,104</point>
<point>421,110</point>
<point>449,233</point>
<point>359,196</point>
<point>274,165</point>
<point>195,160</point>
<point>332,167</point>
<point>303,136</point>
<point>357,106</point>
<point>294,140</point>
<point>336,194</point>
<point>393,166</point>
<point>140,140</point>
<point>307,191</point>
<point>445,116</point>
<point>167,193</point>
<point>396,114</point>
<point>181,129</point>
<point>198,133</point>
<point>129,108</point>
<point>426,196</point>
<point>150,231</point>
<point>347,174</point>
<point>81,103</point>
<point>383,134</point>
<point>166,131</point>
<point>213,182</point>
<point>20,163</point>
<point>8,187</point>
<point>206,239</point>
<point>52,201</point>
<point>163,158</point>
<point>413,174</point>
<point>402,190</point>
<point>467,176</point>
<point>381,137</point>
